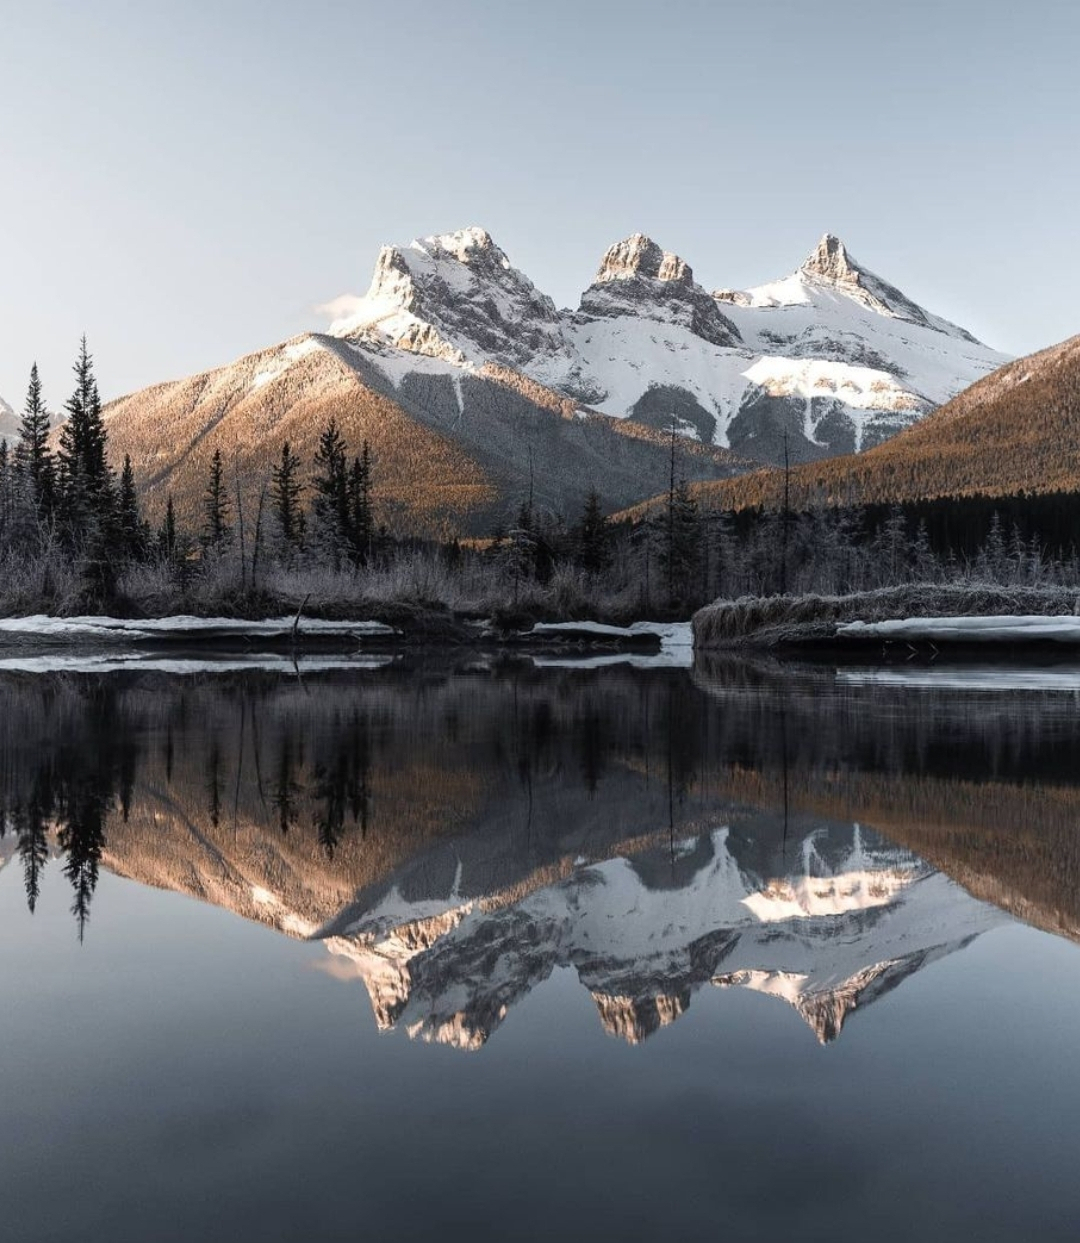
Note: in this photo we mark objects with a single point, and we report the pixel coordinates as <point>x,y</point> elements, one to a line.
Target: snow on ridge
<point>286,356</point>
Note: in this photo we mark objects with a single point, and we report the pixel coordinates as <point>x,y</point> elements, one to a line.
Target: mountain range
<point>474,389</point>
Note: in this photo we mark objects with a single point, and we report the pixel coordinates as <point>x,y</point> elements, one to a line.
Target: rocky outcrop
<point>456,296</point>
<point>637,278</point>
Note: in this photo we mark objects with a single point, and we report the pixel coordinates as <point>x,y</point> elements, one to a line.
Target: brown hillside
<point>452,452</point>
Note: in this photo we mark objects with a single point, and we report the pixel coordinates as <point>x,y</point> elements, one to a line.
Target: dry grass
<point>776,620</point>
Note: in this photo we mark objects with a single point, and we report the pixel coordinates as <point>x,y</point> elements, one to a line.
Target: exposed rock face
<point>830,260</point>
<point>638,279</point>
<point>639,255</point>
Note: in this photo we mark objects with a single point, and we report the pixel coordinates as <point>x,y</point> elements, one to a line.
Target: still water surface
<point>517,953</point>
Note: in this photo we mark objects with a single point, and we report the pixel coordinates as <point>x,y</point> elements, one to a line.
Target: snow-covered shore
<point>184,644</point>
<point>938,630</point>
<point>953,615</point>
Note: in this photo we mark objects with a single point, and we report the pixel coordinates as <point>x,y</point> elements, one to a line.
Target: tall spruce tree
<point>682,550</point>
<point>361,517</point>
<point>216,513</point>
<point>129,524</point>
<point>85,483</point>
<point>331,484</point>
<point>167,534</point>
<point>285,492</point>
<point>32,451</point>
<point>591,536</point>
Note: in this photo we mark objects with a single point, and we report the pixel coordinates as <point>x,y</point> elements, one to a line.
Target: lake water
<point>506,952</point>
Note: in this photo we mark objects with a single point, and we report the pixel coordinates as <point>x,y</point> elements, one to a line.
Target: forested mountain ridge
<point>1015,431</point>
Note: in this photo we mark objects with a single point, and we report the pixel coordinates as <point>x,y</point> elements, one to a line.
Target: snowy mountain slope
<point>9,421</point>
<point>833,355</point>
<point>456,297</point>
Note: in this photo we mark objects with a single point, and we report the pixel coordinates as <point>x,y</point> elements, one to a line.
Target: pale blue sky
<point>187,181</point>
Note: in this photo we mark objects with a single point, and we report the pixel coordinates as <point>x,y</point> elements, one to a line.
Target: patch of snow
<point>998,629</point>
<point>135,662</point>
<point>42,626</point>
<point>676,645</point>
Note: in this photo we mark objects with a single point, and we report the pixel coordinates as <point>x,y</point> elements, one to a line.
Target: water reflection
<point>456,836</point>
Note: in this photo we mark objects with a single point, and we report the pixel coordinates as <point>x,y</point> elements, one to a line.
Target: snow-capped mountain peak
<point>830,270</point>
<point>454,296</point>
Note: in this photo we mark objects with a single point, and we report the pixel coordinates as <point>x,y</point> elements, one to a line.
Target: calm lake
<point>502,951</point>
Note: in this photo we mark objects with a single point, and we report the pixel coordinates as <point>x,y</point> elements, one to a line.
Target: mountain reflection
<point>455,836</point>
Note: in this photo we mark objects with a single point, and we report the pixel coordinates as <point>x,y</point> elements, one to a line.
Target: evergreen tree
<point>33,451</point>
<point>166,537</point>
<point>129,524</point>
<point>591,536</point>
<point>7,490</point>
<point>993,560</point>
<point>922,555</point>
<point>331,484</point>
<point>361,517</point>
<point>682,547</point>
<point>285,492</point>
<point>20,526</point>
<point>84,478</point>
<point>33,847</point>
<point>891,550</point>
<point>216,514</point>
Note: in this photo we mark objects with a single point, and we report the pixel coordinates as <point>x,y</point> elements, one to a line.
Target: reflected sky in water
<point>507,953</point>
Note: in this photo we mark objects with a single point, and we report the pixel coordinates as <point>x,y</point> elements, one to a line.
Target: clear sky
<point>187,181</point>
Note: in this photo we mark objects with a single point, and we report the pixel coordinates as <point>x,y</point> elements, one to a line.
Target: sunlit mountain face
<point>456,836</point>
